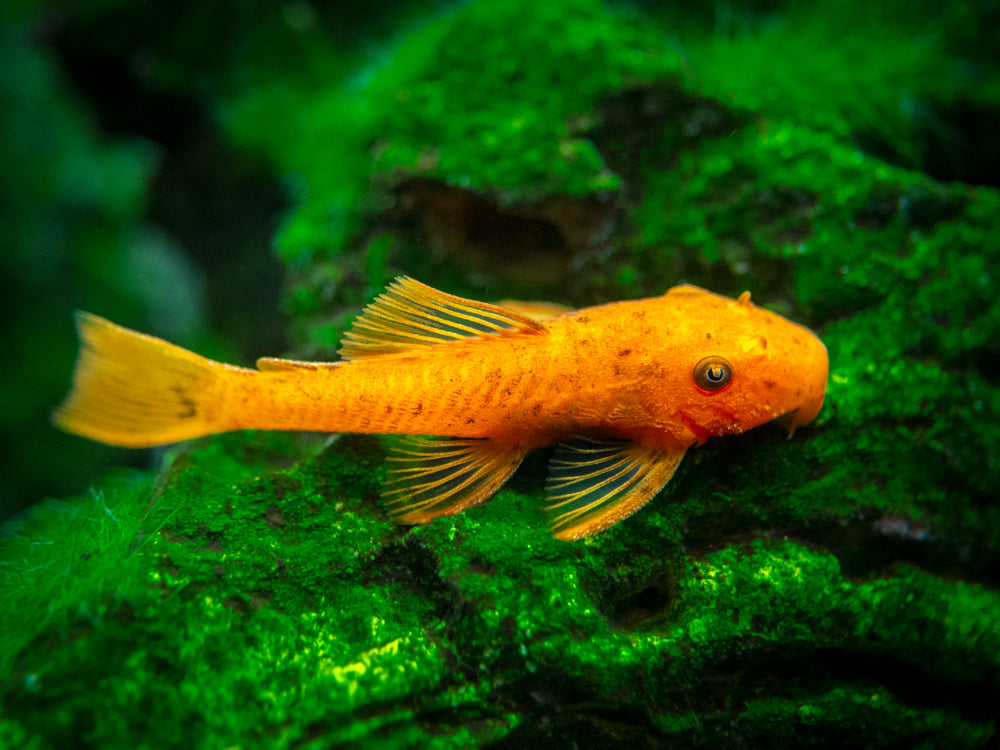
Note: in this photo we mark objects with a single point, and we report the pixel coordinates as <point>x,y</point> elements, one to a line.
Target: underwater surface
<point>242,180</point>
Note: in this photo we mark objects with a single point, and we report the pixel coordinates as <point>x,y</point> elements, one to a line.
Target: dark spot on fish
<point>190,408</point>
<point>624,352</point>
<point>536,409</point>
<point>583,319</point>
<point>512,386</point>
<point>309,394</point>
<point>769,384</point>
<point>418,409</point>
<point>708,335</point>
<point>470,420</point>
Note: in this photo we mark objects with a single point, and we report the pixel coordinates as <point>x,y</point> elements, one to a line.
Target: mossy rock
<point>836,589</point>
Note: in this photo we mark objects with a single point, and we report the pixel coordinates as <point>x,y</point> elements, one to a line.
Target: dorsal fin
<point>535,310</point>
<point>410,315</point>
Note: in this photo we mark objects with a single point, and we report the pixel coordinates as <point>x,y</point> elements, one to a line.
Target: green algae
<point>838,588</point>
<point>538,619</point>
<point>257,606</point>
<point>515,141</point>
<point>396,124</point>
<point>301,615</point>
<point>70,559</point>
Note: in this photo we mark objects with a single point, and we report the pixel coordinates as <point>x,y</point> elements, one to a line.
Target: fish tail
<point>134,390</point>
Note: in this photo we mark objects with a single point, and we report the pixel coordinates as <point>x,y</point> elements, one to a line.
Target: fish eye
<point>713,374</point>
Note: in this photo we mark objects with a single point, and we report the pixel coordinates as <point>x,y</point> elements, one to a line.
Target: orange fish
<point>624,389</point>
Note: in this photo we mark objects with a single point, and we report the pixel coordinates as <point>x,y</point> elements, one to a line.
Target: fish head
<point>739,366</point>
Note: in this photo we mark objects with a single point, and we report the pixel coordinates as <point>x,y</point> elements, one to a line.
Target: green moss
<point>512,136</point>
<point>518,139</point>
<point>70,559</point>
<point>885,44</point>
<point>851,713</point>
<point>255,605</point>
<point>452,101</point>
<point>280,605</point>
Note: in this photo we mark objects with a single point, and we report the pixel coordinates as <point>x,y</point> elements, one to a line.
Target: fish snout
<point>814,371</point>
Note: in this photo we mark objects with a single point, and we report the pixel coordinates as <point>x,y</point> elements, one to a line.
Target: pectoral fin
<point>594,484</point>
<point>430,477</point>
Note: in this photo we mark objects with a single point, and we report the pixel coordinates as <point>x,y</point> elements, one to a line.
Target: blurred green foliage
<point>72,204</point>
<point>836,589</point>
<point>105,199</point>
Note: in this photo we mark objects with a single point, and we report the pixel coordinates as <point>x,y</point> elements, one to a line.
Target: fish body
<point>624,389</point>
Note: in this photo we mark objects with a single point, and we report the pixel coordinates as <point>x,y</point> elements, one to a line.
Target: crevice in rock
<point>533,243</point>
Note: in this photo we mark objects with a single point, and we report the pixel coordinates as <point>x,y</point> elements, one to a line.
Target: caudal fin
<point>135,390</point>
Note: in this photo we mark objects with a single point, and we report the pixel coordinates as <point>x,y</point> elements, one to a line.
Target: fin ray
<point>431,477</point>
<point>539,311</point>
<point>410,315</point>
<point>594,484</point>
<point>135,390</point>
